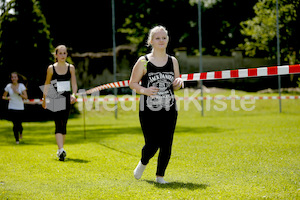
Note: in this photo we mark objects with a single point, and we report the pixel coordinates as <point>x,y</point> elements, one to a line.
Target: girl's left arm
<point>24,94</point>
<point>73,79</point>
<point>73,83</point>
<point>178,82</point>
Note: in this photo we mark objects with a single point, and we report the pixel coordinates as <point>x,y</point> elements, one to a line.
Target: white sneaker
<point>161,180</point>
<point>138,172</point>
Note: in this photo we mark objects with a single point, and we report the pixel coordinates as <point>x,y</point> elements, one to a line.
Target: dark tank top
<point>63,77</point>
<point>63,86</point>
<point>162,78</point>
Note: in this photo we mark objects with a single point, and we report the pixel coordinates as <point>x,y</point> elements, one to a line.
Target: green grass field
<point>224,155</point>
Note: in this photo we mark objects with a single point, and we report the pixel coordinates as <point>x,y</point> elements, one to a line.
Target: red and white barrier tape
<point>109,85</point>
<point>243,73</point>
<point>99,99</point>
<point>33,101</point>
<point>226,74</point>
<point>191,98</point>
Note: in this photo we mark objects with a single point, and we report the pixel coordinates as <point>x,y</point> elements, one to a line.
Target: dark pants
<point>61,117</point>
<point>61,120</point>
<point>158,129</point>
<point>16,116</point>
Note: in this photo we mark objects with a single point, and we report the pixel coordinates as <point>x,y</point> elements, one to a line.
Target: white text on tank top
<point>165,97</point>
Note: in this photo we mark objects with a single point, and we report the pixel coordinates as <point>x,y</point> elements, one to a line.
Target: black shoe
<point>62,156</point>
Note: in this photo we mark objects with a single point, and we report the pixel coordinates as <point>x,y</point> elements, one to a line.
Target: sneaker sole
<point>62,156</point>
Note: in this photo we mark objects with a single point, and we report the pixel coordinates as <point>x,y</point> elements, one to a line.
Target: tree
<point>220,24</point>
<point>139,17</point>
<point>260,31</point>
<point>87,24</point>
<point>83,26</point>
<point>25,43</point>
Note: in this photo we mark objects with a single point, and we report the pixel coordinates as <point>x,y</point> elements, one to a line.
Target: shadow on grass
<point>120,151</point>
<point>42,133</point>
<point>76,160</point>
<point>198,130</point>
<point>177,185</point>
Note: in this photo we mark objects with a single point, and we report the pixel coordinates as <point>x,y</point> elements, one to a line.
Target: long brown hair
<point>21,78</point>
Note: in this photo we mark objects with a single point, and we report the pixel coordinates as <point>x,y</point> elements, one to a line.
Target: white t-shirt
<point>15,102</point>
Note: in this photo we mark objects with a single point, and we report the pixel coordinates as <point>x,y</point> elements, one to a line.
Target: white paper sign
<point>63,86</point>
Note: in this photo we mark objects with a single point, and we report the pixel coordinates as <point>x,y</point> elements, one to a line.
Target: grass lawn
<point>224,155</point>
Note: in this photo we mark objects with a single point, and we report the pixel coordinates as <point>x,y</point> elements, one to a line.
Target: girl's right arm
<point>47,83</point>
<point>5,97</point>
<point>138,71</point>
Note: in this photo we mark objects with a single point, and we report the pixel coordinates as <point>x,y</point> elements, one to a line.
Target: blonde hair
<point>153,31</point>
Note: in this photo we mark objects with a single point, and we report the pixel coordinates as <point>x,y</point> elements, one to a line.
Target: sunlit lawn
<point>223,155</point>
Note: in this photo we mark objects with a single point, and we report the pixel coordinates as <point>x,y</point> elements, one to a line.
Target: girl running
<point>15,92</point>
<point>159,73</point>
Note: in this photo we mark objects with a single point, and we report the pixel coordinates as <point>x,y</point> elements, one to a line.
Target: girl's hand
<point>73,99</point>
<point>6,98</point>
<point>178,83</point>
<point>15,90</point>
<point>151,91</point>
<point>44,105</point>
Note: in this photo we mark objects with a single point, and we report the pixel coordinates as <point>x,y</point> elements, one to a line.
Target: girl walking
<point>159,73</point>
<point>63,75</point>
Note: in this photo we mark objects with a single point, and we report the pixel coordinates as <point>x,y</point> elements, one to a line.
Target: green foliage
<point>220,28</point>
<point>142,16</point>
<point>25,43</point>
<point>220,24</point>
<point>136,35</point>
<point>260,31</point>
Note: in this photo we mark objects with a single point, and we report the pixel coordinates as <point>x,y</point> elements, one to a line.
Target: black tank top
<point>64,77</point>
<point>162,78</point>
<point>63,81</point>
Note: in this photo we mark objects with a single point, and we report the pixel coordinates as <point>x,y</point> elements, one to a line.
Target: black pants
<point>61,117</point>
<point>61,120</point>
<point>16,116</point>
<point>158,129</point>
